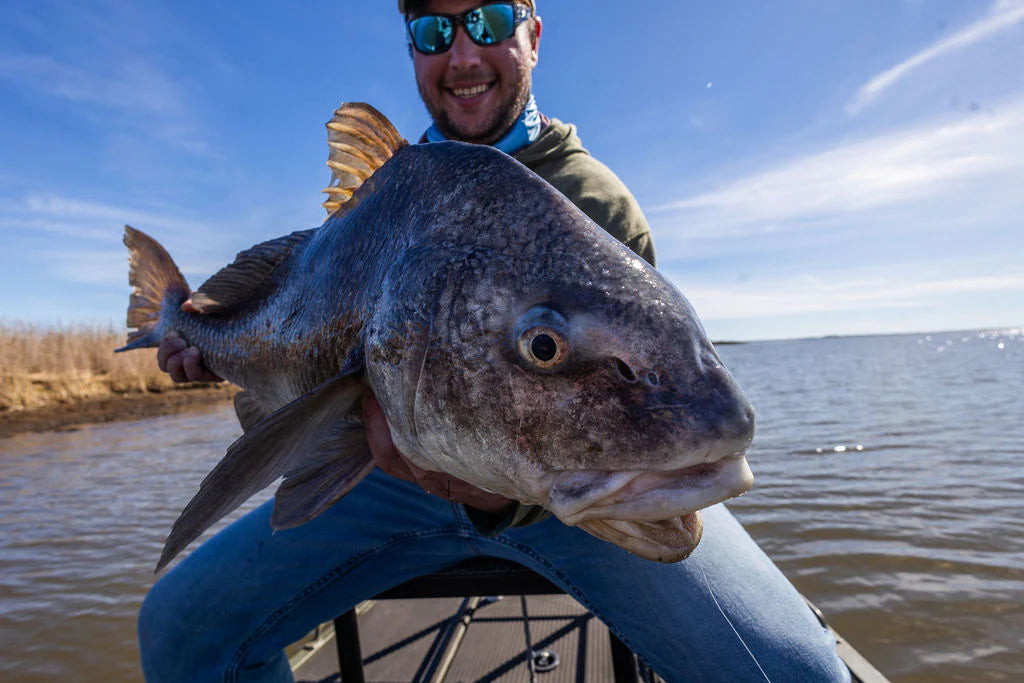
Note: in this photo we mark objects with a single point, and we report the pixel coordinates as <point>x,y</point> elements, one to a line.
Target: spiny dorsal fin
<point>244,280</point>
<point>361,139</point>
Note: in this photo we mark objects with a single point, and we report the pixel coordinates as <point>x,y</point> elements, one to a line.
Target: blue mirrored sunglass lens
<point>491,24</point>
<point>431,34</point>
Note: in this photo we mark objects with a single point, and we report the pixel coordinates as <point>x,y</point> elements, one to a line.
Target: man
<point>226,611</point>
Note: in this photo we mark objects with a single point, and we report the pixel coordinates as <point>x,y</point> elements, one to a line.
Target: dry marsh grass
<point>42,366</point>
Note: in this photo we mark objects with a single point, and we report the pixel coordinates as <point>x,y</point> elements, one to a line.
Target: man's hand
<point>389,459</point>
<point>181,361</point>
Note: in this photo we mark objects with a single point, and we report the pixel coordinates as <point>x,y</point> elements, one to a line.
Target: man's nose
<point>464,52</point>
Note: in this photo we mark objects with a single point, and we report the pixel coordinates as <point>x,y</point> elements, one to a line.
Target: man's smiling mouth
<point>471,91</point>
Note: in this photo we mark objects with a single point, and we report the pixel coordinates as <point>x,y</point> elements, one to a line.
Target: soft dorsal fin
<point>244,280</point>
<point>361,139</point>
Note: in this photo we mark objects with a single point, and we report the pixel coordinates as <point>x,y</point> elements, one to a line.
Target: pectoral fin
<point>296,441</point>
<point>341,459</point>
<point>339,463</point>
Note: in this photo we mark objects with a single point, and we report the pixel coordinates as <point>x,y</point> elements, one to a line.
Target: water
<point>83,516</point>
<point>889,489</point>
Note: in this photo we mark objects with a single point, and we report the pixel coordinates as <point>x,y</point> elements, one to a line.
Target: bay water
<point>889,489</point>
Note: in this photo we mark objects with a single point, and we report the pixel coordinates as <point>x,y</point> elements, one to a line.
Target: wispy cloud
<point>100,64</point>
<point>156,103</point>
<point>43,207</point>
<point>128,85</point>
<point>89,266</point>
<point>1003,15</point>
<point>908,165</point>
<point>840,291</point>
<point>79,240</point>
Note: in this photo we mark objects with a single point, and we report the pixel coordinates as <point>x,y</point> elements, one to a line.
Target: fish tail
<point>155,279</point>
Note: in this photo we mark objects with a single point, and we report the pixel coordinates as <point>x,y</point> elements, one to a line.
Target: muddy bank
<point>111,408</point>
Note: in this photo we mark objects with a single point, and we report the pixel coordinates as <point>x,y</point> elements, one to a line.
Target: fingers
<point>458,491</point>
<point>378,435</point>
<point>170,345</point>
<point>393,465</point>
<point>195,371</point>
<point>182,362</point>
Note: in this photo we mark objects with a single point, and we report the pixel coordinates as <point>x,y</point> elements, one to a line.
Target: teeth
<point>470,92</point>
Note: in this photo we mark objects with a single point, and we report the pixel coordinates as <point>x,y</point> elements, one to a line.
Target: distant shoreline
<point>111,408</point>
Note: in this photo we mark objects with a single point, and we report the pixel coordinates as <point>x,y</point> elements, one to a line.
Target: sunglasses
<point>433,34</point>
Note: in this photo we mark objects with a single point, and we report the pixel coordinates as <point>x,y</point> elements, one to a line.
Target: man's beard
<point>499,123</point>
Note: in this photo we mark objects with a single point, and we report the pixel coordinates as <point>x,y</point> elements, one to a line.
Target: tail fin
<point>153,277</point>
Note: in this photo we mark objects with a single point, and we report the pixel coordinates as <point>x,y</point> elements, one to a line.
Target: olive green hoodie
<point>559,157</point>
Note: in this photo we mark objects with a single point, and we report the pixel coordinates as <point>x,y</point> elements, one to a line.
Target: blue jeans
<point>227,611</point>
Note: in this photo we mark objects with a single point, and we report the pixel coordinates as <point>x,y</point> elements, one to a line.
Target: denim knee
<point>164,629</point>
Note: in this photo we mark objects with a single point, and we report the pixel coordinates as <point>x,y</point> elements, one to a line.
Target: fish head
<point>552,365</point>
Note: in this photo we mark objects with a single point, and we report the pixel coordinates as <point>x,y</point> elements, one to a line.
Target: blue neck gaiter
<point>525,130</point>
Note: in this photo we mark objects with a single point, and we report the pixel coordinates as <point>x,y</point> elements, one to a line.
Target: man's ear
<point>535,39</point>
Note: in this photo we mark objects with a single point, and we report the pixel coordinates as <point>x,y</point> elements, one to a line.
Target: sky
<point>807,168</point>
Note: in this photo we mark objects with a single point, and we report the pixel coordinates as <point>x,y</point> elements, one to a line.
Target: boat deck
<point>483,639</point>
<point>474,639</point>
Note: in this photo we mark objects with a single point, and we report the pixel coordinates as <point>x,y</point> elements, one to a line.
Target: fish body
<point>511,342</point>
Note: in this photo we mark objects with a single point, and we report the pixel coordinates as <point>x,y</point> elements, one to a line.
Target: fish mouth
<point>652,514</point>
<point>669,540</point>
<point>647,495</point>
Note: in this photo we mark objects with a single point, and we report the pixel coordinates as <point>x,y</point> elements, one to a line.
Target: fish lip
<point>669,540</point>
<point>647,495</point>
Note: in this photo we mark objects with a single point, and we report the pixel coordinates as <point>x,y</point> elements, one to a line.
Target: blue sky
<point>807,168</point>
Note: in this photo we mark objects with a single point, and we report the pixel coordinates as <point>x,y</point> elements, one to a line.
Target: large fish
<point>511,342</point>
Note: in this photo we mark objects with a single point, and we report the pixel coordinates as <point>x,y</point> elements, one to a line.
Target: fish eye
<point>541,338</point>
<point>543,347</point>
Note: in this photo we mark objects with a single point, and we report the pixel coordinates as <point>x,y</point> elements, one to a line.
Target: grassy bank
<point>47,366</point>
